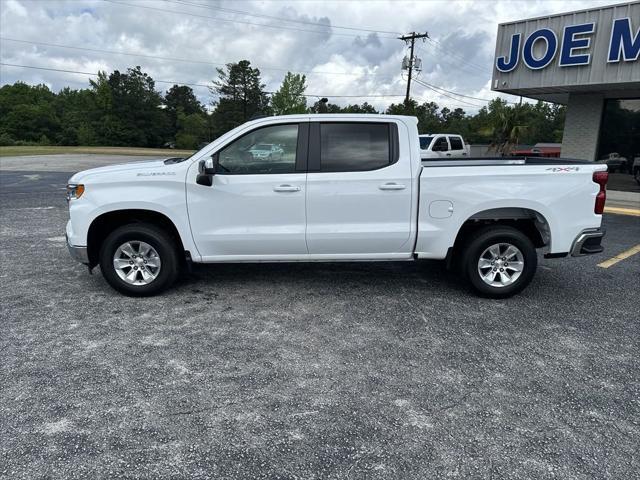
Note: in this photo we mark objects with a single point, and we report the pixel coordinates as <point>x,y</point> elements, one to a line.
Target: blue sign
<point>624,45</point>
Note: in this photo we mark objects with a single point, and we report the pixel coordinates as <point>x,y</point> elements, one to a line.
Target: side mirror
<point>210,165</point>
<point>207,169</point>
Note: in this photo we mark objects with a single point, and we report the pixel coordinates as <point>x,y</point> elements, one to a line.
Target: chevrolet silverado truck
<point>343,188</point>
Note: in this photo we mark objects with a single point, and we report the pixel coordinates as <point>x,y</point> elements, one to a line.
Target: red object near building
<point>550,150</point>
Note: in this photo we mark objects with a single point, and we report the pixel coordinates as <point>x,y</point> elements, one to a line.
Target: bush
<point>86,136</point>
<point>186,141</point>
<point>6,140</point>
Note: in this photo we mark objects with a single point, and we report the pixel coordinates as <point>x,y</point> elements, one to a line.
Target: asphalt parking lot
<point>352,370</point>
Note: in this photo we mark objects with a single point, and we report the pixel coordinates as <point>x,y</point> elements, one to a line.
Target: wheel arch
<point>530,222</point>
<point>105,223</point>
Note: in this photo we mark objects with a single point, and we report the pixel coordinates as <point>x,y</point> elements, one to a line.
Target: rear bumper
<point>588,242</point>
<point>79,254</point>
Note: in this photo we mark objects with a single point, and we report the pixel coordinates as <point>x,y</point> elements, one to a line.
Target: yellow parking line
<point>620,257</point>
<point>622,211</point>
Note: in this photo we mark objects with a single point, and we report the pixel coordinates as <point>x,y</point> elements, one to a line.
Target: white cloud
<point>458,58</point>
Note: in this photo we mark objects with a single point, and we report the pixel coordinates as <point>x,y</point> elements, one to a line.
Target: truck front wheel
<point>500,261</point>
<point>139,259</point>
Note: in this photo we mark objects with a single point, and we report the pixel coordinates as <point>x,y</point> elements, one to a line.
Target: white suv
<point>434,146</point>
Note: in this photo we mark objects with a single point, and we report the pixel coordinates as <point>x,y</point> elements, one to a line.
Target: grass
<point>55,150</point>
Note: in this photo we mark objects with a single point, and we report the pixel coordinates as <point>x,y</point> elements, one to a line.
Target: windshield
<point>262,146</point>
<point>425,142</point>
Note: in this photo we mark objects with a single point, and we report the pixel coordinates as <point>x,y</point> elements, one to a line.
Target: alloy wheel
<point>137,262</point>
<point>501,264</point>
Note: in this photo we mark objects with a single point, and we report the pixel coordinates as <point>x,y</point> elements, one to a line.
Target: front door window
<point>262,151</point>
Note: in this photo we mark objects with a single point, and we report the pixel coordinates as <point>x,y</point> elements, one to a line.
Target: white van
<point>442,145</point>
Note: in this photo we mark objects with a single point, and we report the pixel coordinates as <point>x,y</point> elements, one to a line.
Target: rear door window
<point>352,147</point>
<point>441,145</point>
<point>456,143</point>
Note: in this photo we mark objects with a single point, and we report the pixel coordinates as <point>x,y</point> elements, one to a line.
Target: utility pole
<point>411,37</point>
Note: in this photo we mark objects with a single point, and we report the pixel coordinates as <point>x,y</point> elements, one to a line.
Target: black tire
<point>164,245</point>
<point>485,238</point>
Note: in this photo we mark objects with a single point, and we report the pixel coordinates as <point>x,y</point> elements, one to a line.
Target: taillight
<point>601,179</point>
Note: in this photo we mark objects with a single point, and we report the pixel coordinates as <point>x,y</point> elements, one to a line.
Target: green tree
<point>192,130</point>
<point>180,99</point>
<point>324,106</point>
<point>405,108</point>
<point>289,99</point>
<point>75,108</point>
<point>129,108</point>
<point>506,125</point>
<point>241,96</point>
<point>429,120</point>
<point>356,108</point>
<point>28,112</point>
<point>125,109</point>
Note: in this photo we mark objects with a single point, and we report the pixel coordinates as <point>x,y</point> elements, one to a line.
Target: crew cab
<point>345,188</point>
<point>444,145</point>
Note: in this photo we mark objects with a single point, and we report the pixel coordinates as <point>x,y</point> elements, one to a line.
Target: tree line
<point>125,109</point>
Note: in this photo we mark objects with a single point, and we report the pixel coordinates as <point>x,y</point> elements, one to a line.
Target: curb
<point>623,196</point>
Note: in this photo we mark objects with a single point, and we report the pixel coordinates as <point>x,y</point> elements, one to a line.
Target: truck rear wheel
<point>500,261</point>
<point>139,260</point>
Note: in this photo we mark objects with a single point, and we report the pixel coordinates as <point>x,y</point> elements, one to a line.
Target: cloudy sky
<point>343,47</point>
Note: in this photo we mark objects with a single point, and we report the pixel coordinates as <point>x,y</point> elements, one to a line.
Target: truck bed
<point>497,161</point>
<point>558,193</point>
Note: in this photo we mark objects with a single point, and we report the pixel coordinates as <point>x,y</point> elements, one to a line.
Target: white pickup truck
<point>343,188</point>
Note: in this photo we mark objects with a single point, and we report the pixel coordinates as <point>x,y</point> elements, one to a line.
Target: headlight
<point>74,191</point>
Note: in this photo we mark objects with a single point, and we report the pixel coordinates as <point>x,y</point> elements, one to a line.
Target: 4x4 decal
<point>563,169</point>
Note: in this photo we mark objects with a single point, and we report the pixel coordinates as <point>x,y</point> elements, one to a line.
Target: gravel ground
<point>388,370</point>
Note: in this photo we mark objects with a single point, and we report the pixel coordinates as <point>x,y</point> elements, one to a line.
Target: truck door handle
<point>448,154</point>
<point>286,188</point>
<point>392,186</point>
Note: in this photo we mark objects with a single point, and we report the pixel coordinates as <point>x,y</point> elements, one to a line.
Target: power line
<point>436,43</point>
<point>452,61</point>
<point>278,27</point>
<point>446,95</point>
<point>92,74</point>
<point>175,59</point>
<point>259,15</point>
<point>441,47</point>
<point>175,82</point>
<point>458,94</point>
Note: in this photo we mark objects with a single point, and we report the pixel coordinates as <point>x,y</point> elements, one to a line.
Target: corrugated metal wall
<point>597,72</point>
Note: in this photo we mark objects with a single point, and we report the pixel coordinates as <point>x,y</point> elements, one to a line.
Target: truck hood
<point>143,166</point>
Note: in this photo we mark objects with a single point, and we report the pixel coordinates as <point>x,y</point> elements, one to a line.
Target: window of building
<point>620,133</point>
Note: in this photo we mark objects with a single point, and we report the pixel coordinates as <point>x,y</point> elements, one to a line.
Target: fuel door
<point>440,209</point>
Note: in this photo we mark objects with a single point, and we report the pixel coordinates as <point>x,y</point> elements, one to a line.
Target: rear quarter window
<point>425,142</point>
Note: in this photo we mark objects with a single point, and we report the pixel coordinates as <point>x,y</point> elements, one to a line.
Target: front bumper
<point>79,254</point>
<point>588,242</point>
